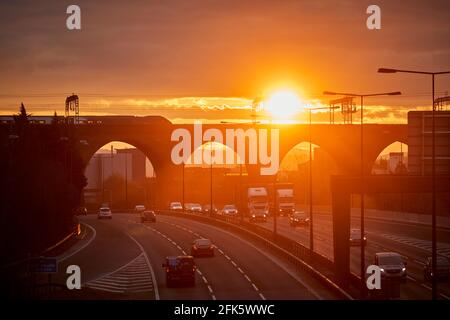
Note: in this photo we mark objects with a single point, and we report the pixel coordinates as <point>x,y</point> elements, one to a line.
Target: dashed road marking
<point>419,262</point>
<point>426,286</point>
<point>411,278</point>
<point>445,297</point>
<point>255,287</point>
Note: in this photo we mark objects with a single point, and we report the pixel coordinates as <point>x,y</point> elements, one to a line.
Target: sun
<point>283,104</point>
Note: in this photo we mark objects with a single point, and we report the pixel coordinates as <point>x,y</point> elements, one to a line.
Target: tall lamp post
<point>362,96</point>
<point>182,191</point>
<point>211,183</point>
<point>433,171</point>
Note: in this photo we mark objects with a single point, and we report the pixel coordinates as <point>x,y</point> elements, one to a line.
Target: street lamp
<point>362,96</point>
<point>211,177</point>
<point>182,195</point>
<point>433,172</point>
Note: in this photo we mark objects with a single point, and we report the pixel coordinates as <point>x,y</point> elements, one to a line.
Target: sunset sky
<point>198,59</point>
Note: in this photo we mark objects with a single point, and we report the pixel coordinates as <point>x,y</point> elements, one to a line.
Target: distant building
<point>420,142</point>
<point>396,161</point>
<point>130,164</point>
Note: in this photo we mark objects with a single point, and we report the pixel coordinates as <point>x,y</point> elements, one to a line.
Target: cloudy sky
<point>192,59</point>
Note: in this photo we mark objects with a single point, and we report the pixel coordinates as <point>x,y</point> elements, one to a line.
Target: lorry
<point>257,204</point>
<point>285,202</point>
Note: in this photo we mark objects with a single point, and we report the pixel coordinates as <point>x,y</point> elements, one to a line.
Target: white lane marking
<point>199,272</point>
<point>204,280</point>
<point>210,289</point>
<point>94,234</point>
<point>233,263</point>
<point>246,277</point>
<point>240,270</point>
<point>426,286</point>
<point>262,296</point>
<point>255,287</point>
<point>213,297</point>
<point>227,257</point>
<point>419,262</point>
<point>445,297</point>
<point>152,273</point>
<point>411,278</point>
<point>220,250</point>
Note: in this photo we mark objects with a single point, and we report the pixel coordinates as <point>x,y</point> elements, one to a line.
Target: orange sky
<point>209,59</point>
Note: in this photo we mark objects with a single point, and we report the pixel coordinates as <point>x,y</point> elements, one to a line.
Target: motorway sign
<point>44,265</point>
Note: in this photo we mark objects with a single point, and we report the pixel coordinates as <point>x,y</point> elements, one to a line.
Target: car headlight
<point>381,269</point>
<point>403,269</point>
<point>253,216</point>
<point>264,215</point>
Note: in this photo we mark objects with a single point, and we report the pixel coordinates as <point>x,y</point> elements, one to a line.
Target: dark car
<point>148,215</point>
<point>392,266</point>
<point>442,269</point>
<point>258,216</point>
<point>206,209</point>
<point>298,218</point>
<point>202,247</point>
<point>180,269</point>
<point>81,211</point>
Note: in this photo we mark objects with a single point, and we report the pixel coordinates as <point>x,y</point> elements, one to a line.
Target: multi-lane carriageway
<point>122,257</point>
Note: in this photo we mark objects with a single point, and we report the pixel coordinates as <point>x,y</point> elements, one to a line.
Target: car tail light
<point>167,270</point>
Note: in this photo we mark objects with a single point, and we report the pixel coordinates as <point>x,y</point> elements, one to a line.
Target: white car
<point>193,207</point>
<point>175,206</point>
<point>139,208</point>
<point>104,213</point>
<point>229,210</point>
<point>355,238</point>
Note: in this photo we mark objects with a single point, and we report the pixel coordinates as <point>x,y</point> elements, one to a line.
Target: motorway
<point>122,258</point>
<point>409,240</point>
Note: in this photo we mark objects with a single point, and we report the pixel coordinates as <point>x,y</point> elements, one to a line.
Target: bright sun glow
<point>283,104</point>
